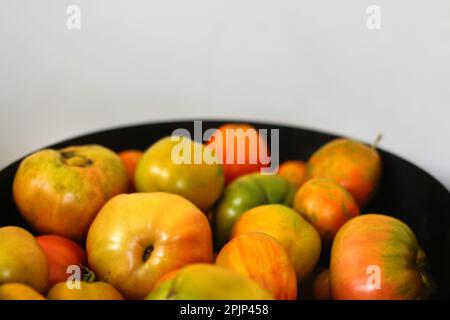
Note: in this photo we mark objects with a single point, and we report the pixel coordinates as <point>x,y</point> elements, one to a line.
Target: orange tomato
<point>87,291</point>
<point>130,159</point>
<point>326,205</point>
<point>293,171</point>
<point>19,291</point>
<point>298,237</point>
<point>61,253</point>
<point>353,165</point>
<point>263,259</point>
<point>227,148</point>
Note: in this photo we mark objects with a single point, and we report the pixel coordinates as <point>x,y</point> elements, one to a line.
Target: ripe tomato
<point>87,291</point>
<point>326,205</point>
<point>293,171</point>
<point>229,147</point>
<point>19,291</point>
<point>298,237</point>
<point>377,257</point>
<point>353,165</point>
<point>21,259</point>
<point>61,191</point>
<point>130,159</point>
<point>264,259</point>
<point>136,238</point>
<point>61,252</point>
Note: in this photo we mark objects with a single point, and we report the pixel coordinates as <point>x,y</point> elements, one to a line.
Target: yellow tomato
<point>86,291</point>
<point>170,165</point>
<point>137,238</point>
<point>21,259</point>
<point>298,237</point>
<point>19,291</point>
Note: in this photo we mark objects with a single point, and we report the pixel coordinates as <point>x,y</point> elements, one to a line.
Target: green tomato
<point>244,193</point>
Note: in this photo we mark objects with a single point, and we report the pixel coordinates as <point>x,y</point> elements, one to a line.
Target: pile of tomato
<point>139,225</point>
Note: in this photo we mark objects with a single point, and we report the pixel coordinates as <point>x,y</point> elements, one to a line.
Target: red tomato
<point>239,145</point>
<point>61,253</point>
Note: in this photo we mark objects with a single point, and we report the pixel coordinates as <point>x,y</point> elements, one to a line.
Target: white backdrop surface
<point>308,63</point>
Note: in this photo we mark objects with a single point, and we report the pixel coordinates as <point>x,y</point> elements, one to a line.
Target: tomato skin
<point>298,237</point>
<point>263,259</point>
<point>201,183</point>
<point>21,259</point>
<point>244,193</point>
<point>61,252</point>
<point>87,291</point>
<point>19,291</point>
<point>200,281</point>
<point>353,165</point>
<point>169,275</point>
<point>294,171</point>
<point>326,205</point>
<point>375,247</point>
<point>137,238</point>
<point>130,159</point>
<point>61,191</point>
<point>234,170</point>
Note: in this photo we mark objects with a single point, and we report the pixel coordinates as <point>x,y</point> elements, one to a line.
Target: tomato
<point>87,291</point>
<point>245,193</point>
<point>61,191</point>
<point>294,171</point>
<point>21,259</point>
<point>167,276</point>
<point>326,205</point>
<point>233,140</point>
<point>137,238</point>
<point>298,237</point>
<point>19,291</point>
<point>353,165</point>
<point>61,252</point>
<point>208,282</point>
<point>321,286</point>
<point>130,159</point>
<point>376,257</point>
<point>201,182</point>
<point>263,259</point>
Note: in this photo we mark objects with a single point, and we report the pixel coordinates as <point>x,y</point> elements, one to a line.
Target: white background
<point>308,63</point>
